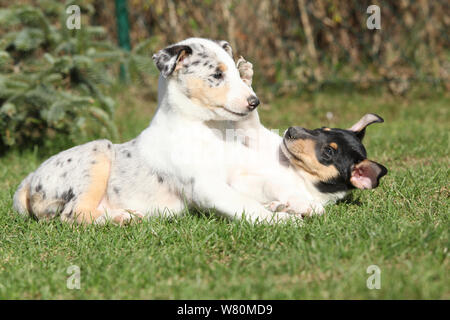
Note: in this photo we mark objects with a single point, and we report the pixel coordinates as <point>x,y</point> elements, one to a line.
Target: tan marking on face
<point>222,67</point>
<point>334,145</point>
<point>202,94</point>
<point>86,207</point>
<point>305,158</point>
<point>327,129</point>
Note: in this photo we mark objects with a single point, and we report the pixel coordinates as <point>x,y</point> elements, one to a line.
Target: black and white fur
<point>312,168</point>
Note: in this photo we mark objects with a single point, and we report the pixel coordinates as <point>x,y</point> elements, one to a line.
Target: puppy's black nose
<point>295,133</point>
<point>290,132</point>
<point>253,102</point>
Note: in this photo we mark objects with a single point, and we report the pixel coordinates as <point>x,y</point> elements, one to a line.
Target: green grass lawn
<point>402,226</point>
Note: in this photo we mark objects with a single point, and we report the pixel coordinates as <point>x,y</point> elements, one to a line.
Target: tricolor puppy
<point>316,168</point>
<point>172,164</point>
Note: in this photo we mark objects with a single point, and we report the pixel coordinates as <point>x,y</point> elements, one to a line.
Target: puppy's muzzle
<point>253,102</point>
<point>297,133</point>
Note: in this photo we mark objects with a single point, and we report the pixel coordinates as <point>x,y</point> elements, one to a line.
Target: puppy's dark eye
<point>328,152</point>
<point>218,74</point>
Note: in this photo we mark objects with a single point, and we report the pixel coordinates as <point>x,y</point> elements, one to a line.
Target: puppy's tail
<point>21,198</point>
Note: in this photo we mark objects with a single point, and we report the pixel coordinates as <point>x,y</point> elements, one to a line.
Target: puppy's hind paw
<point>128,217</point>
<point>120,217</point>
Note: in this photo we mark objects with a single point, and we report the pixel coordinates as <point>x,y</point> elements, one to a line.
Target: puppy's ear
<point>360,127</point>
<point>367,174</point>
<point>168,59</point>
<point>226,46</point>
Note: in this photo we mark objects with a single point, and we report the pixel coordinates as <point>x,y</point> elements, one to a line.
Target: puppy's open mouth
<point>235,113</point>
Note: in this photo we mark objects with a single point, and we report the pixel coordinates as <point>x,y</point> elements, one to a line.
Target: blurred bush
<point>308,43</point>
<point>54,81</point>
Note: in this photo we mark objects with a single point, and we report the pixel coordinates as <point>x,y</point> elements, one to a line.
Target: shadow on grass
<point>350,199</point>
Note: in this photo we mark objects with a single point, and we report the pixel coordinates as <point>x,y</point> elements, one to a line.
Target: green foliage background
<point>53,81</point>
<point>57,83</point>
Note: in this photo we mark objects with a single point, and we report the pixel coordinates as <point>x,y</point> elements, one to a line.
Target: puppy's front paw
<point>276,206</point>
<point>304,208</point>
<point>245,70</point>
